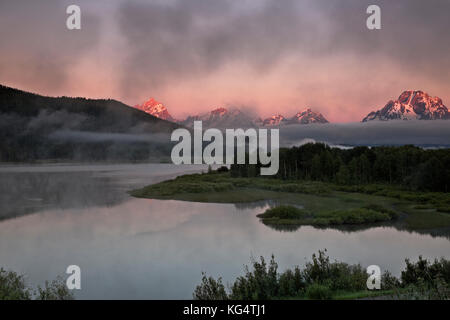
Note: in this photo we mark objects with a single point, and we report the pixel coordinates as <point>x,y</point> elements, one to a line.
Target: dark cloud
<point>194,37</point>
<point>36,47</point>
<point>168,42</point>
<point>414,33</point>
<point>189,38</point>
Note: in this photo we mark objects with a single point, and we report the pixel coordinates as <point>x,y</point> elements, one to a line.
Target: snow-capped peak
<point>221,118</point>
<point>274,120</point>
<point>308,116</point>
<point>411,105</point>
<point>302,117</point>
<point>156,109</point>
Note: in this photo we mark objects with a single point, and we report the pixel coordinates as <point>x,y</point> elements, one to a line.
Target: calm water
<point>58,215</point>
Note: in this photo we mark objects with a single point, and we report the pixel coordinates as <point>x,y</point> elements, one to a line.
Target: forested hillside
<point>35,127</point>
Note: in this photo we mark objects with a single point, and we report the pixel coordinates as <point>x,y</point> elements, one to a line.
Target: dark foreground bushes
<point>323,279</point>
<point>13,287</point>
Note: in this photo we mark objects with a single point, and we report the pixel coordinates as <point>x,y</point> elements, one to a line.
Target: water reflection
<point>438,232</point>
<point>25,190</point>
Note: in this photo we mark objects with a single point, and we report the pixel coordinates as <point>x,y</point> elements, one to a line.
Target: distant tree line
<point>408,166</point>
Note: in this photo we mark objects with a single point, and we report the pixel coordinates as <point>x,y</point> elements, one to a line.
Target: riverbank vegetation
<point>408,167</point>
<point>321,278</point>
<point>329,203</point>
<point>14,287</point>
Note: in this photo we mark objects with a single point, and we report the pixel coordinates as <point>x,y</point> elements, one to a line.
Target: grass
<point>350,295</point>
<point>333,204</point>
<point>344,295</point>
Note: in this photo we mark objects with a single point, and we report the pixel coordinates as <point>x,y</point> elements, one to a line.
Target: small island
<point>290,215</point>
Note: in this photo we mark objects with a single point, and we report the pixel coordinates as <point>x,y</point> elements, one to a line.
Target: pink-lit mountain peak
<point>219,111</point>
<point>274,120</point>
<point>411,105</point>
<point>155,108</point>
<point>309,116</point>
<point>222,117</point>
<point>306,116</point>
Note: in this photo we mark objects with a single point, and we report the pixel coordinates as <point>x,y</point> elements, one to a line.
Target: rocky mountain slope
<point>411,105</point>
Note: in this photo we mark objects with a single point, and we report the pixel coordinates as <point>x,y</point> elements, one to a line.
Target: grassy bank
<point>324,204</point>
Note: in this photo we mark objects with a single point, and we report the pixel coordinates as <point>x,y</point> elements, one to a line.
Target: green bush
<point>13,287</point>
<point>291,283</point>
<point>56,290</point>
<point>323,279</point>
<point>428,272</point>
<point>259,284</point>
<point>352,216</point>
<point>210,289</point>
<point>318,292</point>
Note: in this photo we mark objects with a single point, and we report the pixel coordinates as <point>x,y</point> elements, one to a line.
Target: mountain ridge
<point>411,105</point>
<point>222,117</point>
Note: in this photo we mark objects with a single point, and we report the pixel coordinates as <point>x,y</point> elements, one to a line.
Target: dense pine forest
<point>407,166</point>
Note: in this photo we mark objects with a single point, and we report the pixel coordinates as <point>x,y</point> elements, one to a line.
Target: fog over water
<point>154,249</point>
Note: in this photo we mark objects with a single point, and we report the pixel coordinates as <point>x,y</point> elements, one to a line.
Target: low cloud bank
<point>419,133</point>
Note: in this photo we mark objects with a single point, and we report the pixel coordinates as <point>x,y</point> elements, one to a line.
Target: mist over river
<point>53,216</point>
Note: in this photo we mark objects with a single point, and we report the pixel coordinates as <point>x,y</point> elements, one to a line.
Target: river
<point>58,215</point>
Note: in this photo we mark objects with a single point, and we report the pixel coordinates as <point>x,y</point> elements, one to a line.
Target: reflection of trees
<point>435,233</point>
<point>23,193</point>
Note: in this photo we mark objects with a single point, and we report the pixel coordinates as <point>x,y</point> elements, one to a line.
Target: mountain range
<point>231,118</point>
<point>35,127</point>
<point>410,105</point>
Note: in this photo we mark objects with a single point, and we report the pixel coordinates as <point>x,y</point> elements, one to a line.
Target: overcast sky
<point>273,56</point>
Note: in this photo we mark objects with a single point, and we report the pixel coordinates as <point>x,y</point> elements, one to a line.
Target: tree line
<point>409,166</point>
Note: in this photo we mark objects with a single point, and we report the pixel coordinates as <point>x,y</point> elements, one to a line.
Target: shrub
<point>56,290</point>
<point>425,290</point>
<point>318,292</point>
<point>259,284</point>
<point>352,216</point>
<point>321,279</point>
<point>428,272</point>
<point>389,282</point>
<point>210,289</point>
<point>12,286</point>
<point>291,283</point>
